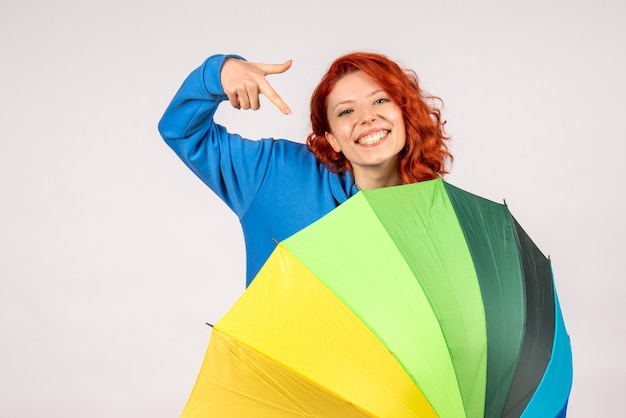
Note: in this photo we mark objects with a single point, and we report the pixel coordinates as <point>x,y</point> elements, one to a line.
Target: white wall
<point>114,255</point>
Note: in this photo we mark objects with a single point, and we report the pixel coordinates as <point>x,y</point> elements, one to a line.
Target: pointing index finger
<point>275,98</point>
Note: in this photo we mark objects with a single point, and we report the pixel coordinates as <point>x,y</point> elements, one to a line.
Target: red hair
<point>425,154</point>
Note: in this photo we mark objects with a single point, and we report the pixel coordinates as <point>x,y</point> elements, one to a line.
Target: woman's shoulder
<point>288,148</point>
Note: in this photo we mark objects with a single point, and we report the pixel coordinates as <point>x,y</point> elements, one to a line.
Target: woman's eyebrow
<point>373,93</point>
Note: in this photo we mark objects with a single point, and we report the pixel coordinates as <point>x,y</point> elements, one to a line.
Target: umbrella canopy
<point>419,300</point>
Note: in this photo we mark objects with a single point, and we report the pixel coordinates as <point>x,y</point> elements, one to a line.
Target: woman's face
<point>365,125</point>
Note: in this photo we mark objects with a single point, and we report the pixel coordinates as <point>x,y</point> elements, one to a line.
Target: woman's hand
<point>244,81</point>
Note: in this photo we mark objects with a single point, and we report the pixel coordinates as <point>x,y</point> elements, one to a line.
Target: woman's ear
<point>332,141</point>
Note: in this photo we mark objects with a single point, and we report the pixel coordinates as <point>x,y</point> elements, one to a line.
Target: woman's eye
<point>344,112</point>
<point>381,100</point>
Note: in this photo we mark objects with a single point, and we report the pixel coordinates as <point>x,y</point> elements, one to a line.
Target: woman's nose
<point>367,116</point>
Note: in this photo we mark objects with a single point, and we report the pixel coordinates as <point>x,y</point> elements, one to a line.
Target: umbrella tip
<point>504,200</point>
<point>211,325</point>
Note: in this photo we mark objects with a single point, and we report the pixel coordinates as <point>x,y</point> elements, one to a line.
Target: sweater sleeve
<point>232,166</point>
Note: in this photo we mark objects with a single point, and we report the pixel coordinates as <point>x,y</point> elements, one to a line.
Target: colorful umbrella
<point>420,300</point>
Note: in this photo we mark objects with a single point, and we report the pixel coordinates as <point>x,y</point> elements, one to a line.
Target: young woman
<point>372,126</point>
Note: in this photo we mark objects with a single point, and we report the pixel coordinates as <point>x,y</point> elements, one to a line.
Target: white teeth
<point>372,139</point>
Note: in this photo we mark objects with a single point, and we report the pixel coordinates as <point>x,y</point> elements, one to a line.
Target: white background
<point>114,255</point>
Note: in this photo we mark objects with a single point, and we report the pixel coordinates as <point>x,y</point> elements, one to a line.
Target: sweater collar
<point>342,186</point>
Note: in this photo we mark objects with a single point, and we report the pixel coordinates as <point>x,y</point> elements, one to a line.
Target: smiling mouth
<point>372,138</point>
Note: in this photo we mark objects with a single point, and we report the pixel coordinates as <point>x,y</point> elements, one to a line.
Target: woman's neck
<point>366,182</point>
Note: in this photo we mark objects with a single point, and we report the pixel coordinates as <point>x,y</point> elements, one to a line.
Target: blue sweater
<point>276,187</point>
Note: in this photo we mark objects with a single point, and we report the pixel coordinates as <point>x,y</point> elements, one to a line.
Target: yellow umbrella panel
<point>290,348</point>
